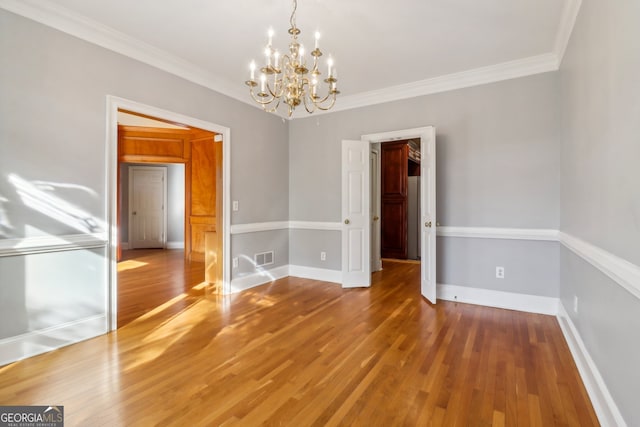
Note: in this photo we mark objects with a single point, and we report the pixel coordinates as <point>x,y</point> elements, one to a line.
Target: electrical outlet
<point>235,205</point>
<point>235,262</point>
<point>500,272</point>
<point>575,304</point>
<point>323,256</point>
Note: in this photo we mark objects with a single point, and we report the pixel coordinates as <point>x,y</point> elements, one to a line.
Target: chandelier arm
<point>306,106</point>
<point>322,101</point>
<point>272,110</point>
<point>259,101</point>
<point>333,101</point>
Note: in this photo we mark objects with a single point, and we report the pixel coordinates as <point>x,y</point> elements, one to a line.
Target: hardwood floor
<point>149,278</point>
<point>299,352</point>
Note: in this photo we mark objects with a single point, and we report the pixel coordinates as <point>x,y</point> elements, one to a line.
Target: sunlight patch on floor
<point>165,336</point>
<point>130,264</point>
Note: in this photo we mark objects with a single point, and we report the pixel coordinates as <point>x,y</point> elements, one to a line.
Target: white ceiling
<point>383,50</point>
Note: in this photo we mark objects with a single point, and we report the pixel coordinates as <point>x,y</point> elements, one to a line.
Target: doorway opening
<point>359,256</point>
<point>395,199</point>
<point>167,201</point>
<point>194,247</point>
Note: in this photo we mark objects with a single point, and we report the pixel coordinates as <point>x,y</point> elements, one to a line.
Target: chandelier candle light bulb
<point>293,83</point>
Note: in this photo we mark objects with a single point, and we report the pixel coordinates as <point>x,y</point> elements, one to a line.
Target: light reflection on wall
<point>37,196</point>
<point>257,269</point>
<point>5,225</point>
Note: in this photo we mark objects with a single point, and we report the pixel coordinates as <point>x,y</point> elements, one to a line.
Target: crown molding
<point>567,22</point>
<point>52,15</point>
<point>62,19</point>
<point>479,76</point>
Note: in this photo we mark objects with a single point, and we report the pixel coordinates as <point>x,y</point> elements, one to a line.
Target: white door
<point>356,269</point>
<point>374,166</point>
<point>147,213</point>
<point>428,213</point>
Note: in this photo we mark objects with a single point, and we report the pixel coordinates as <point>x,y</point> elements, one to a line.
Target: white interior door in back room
<point>147,201</point>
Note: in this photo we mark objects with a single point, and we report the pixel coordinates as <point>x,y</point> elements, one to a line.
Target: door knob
<point>135,213</point>
<point>346,221</point>
<point>427,224</point>
<point>375,218</point>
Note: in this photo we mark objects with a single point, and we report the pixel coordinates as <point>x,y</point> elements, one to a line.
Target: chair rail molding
<point>41,244</point>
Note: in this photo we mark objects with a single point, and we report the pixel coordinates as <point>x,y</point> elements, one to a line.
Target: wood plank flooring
<point>299,352</point>
<point>149,278</point>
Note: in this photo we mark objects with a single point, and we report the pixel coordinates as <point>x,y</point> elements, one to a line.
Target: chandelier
<point>287,78</point>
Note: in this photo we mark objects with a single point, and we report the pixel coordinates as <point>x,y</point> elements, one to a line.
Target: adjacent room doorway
<point>358,217</point>
<point>200,220</point>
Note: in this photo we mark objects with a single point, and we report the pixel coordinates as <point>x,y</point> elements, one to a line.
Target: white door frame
<point>424,133</point>
<point>132,190</point>
<point>113,105</point>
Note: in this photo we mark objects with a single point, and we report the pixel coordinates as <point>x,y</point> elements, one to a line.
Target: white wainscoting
<point>604,405</point>
<point>259,226</point>
<point>285,225</point>
<point>621,271</point>
<point>258,278</point>
<point>499,233</point>
<point>314,273</point>
<point>43,244</point>
<point>624,273</point>
<point>44,340</point>
<point>499,299</point>
<point>267,276</point>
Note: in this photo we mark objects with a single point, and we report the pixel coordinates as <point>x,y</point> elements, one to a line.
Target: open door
<point>356,267</point>
<point>428,213</point>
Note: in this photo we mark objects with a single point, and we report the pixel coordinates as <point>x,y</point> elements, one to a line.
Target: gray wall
<point>52,137</point>
<point>600,107</point>
<point>175,201</point>
<point>497,166</point>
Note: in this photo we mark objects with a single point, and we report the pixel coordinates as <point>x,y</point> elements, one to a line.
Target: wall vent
<point>264,258</point>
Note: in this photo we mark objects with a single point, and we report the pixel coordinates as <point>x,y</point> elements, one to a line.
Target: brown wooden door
<point>393,208</point>
<point>202,210</point>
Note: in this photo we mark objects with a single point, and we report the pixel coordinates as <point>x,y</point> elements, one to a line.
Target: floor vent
<point>264,258</point>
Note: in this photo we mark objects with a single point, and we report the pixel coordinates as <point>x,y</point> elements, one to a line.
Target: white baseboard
<point>170,245</point>
<point>42,341</point>
<point>321,274</point>
<point>175,245</point>
<point>259,278</point>
<point>604,405</point>
<point>499,299</point>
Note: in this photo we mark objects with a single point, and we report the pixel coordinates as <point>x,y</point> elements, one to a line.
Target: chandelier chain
<point>292,19</point>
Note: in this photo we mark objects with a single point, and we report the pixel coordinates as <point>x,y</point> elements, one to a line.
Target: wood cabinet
<point>398,161</point>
